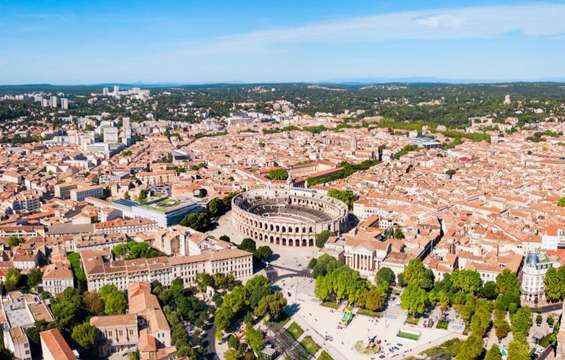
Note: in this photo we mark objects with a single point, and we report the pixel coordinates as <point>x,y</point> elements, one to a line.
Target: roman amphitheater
<point>287,217</point>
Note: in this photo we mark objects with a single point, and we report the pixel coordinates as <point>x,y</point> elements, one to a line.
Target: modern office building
<point>165,212</point>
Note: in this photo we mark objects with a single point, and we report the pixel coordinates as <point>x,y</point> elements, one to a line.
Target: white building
<point>16,342</point>
<point>64,104</point>
<point>553,238</point>
<point>110,135</point>
<point>56,278</point>
<point>533,276</point>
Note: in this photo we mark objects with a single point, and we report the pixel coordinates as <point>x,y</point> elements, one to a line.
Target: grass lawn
<point>330,304</point>
<point>411,320</point>
<point>442,324</point>
<point>368,313</point>
<point>325,356</point>
<point>446,350</point>
<point>295,330</point>
<point>310,345</point>
<point>408,335</point>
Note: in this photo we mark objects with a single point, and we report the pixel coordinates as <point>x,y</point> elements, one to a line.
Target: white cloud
<point>438,24</point>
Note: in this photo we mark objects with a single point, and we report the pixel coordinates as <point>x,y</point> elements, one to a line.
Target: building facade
<point>287,217</point>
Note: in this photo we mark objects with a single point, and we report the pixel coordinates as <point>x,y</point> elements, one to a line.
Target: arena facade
<point>287,217</point>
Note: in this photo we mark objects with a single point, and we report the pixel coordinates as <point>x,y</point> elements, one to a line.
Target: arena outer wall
<point>287,228</point>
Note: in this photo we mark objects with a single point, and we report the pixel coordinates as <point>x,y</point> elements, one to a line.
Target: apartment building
<point>63,191</point>
<point>159,177</point>
<point>100,270</point>
<point>56,278</point>
<point>23,202</point>
<point>16,342</point>
<point>82,192</point>
<point>125,226</point>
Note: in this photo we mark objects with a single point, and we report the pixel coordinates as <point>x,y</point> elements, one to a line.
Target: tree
<point>254,339</point>
<point>522,322</point>
<point>502,328</point>
<point>203,281</point>
<point>416,274</point>
<point>198,221</point>
<point>508,290</point>
<point>114,300</point>
<point>468,281</point>
<point>397,233</point>
<point>322,238</point>
<point>142,195</point>
<point>346,196</point>
<point>248,245</point>
<point>471,349</point>
<point>561,202</point>
<point>518,350</point>
<point>493,353</point>
<point>277,174</point>
<point>34,278</point>
<point>272,304</point>
<point>93,303</point>
<point>13,241</point>
<point>84,335</point>
<point>488,290</point>
<point>216,207</point>
<point>263,253</point>
<point>555,284</point>
<point>506,281</point>
<point>12,279</point>
<point>65,313</point>
<point>374,299</point>
<point>413,299</point>
<point>539,319</point>
<point>385,275</point>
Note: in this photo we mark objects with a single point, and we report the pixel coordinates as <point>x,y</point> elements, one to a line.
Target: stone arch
<point>297,242</point>
<point>304,243</point>
<point>283,229</point>
<point>284,241</point>
<point>311,242</point>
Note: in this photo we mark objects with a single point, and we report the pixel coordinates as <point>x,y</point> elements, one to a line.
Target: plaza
<point>322,324</point>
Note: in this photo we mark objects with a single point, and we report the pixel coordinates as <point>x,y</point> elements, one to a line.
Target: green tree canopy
<point>277,174</point>
<point>34,278</point>
<point>413,299</point>
<point>346,196</point>
<point>322,238</point>
<point>248,245</point>
<point>84,335</point>
<point>12,279</point>
<point>555,284</point>
<point>198,221</point>
<point>468,281</point>
<point>493,353</point>
<point>385,275</point>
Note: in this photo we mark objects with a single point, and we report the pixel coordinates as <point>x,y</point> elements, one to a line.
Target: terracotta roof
<point>57,346</point>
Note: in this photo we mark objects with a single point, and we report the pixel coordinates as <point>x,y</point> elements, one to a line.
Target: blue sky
<point>196,41</point>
